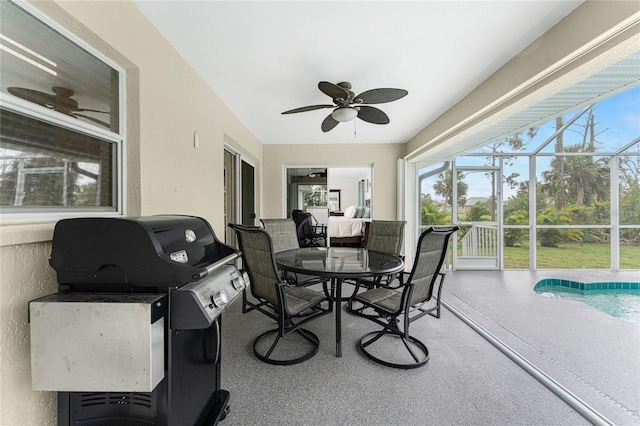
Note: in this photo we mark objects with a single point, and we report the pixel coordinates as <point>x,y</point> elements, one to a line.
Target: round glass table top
<point>338,262</point>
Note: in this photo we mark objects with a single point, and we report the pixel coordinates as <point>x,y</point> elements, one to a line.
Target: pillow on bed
<point>359,212</point>
<point>367,213</point>
<point>350,212</point>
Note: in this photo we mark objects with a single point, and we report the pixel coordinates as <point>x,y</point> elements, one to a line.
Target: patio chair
<point>387,306</point>
<point>289,305</point>
<point>284,237</point>
<point>384,236</point>
<point>310,233</point>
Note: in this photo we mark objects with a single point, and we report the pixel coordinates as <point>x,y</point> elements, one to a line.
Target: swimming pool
<point>619,299</point>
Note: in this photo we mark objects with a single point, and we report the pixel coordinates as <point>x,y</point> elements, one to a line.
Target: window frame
<point>536,159</point>
<point>118,139</point>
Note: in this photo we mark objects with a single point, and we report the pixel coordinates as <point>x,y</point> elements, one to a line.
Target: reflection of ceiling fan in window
<point>61,102</point>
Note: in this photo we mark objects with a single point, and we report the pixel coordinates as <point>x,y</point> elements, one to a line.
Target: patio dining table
<point>337,264</point>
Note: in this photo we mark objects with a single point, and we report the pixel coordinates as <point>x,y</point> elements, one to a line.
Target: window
<point>582,211</point>
<point>60,120</point>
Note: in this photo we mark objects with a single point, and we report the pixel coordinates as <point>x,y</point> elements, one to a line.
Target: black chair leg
<point>267,356</point>
<point>420,358</point>
<point>418,352</point>
<point>438,297</point>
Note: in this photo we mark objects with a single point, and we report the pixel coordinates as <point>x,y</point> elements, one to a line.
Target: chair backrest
<point>257,256</point>
<point>303,223</point>
<point>298,216</point>
<point>430,254</point>
<point>386,236</point>
<point>283,233</point>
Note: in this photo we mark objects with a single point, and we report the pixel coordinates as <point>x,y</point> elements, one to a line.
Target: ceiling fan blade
<point>95,120</point>
<point>372,115</point>
<point>40,98</point>
<point>332,90</point>
<point>91,110</point>
<point>381,96</point>
<point>308,108</point>
<point>329,123</point>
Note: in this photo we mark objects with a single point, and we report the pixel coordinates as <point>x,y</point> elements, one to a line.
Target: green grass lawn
<point>572,256</point>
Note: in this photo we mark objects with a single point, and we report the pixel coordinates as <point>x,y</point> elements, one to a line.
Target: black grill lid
<point>144,251</point>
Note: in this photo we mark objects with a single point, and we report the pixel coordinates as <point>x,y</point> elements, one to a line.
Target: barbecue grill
<point>132,337</point>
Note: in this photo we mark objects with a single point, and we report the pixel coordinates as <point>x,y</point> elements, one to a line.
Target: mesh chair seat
<point>299,299</point>
<point>387,300</point>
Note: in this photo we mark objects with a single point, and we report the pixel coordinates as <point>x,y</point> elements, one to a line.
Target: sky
<point>617,120</point>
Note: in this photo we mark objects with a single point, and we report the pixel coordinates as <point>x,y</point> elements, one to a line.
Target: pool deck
<point>592,354</point>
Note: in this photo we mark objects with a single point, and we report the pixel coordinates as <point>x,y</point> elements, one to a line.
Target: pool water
<point>620,300</point>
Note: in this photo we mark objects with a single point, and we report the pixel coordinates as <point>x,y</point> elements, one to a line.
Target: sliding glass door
<point>239,192</point>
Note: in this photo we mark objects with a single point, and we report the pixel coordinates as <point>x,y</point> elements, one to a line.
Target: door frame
<point>238,188</point>
<point>481,262</point>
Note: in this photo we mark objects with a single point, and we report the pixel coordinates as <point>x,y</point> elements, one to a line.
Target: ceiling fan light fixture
<point>344,114</point>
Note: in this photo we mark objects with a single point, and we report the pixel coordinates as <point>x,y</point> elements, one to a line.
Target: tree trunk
<point>560,168</point>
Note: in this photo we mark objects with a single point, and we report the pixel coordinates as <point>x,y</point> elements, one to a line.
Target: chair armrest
<point>401,281</point>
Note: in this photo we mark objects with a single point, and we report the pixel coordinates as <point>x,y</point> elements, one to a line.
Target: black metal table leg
<point>338,299</point>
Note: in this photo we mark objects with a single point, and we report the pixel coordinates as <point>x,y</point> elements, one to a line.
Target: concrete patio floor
<point>467,381</point>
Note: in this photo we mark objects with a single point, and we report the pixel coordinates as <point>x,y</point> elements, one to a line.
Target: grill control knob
<point>238,283</point>
<point>220,299</point>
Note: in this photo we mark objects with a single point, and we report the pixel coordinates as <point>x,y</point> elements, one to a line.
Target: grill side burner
<point>121,279</point>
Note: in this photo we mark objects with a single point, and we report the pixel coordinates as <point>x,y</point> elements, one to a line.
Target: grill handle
<point>212,343</point>
<point>209,269</point>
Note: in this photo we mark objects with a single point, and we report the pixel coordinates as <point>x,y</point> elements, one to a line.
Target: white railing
<point>480,241</point>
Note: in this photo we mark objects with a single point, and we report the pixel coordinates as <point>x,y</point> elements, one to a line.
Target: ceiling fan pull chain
<point>355,134</point>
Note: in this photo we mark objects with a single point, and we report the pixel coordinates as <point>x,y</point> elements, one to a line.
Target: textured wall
<point>26,275</point>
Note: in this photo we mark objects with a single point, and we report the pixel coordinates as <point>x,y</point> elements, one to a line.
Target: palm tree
<point>444,188</point>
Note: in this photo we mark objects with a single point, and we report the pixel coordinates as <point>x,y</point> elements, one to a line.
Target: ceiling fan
<point>349,106</point>
<point>61,102</point>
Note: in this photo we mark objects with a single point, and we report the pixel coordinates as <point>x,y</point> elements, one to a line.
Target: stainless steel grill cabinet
<point>128,329</point>
<point>133,335</point>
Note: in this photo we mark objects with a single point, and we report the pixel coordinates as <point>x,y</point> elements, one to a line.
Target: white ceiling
<point>265,57</point>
